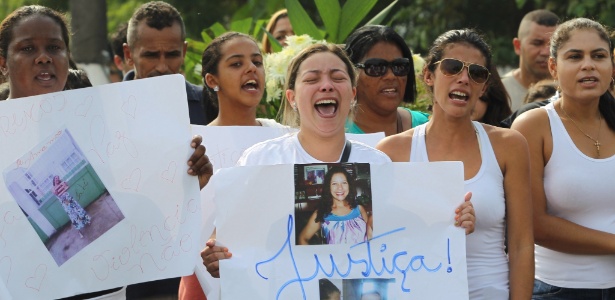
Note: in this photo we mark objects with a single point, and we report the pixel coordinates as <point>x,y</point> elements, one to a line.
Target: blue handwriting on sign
<point>415,264</point>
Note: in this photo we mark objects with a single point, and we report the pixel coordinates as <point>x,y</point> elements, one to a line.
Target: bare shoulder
<point>507,143</point>
<point>531,120</point>
<point>397,146</point>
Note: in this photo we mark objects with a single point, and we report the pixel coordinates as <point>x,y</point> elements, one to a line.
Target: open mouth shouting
<point>326,108</point>
<point>250,85</point>
<point>459,96</point>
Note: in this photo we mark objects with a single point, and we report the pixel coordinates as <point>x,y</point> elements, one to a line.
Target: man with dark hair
<point>118,39</point>
<point>156,45</point>
<point>532,46</point>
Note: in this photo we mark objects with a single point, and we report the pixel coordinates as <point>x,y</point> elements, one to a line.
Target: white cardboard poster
<point>225,144</point>
<point>123,208</point>
<point>415,249</point>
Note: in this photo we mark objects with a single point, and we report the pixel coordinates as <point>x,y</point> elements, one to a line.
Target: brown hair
<point>280,14</point>
<point>286,113</point>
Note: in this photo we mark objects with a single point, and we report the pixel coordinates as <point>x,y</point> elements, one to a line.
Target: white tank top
<point>486,259</point>
<point>579,189</point>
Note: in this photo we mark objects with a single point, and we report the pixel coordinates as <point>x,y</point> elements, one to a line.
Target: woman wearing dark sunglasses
<point>495,161</point>
<point>386,79</point>
<point>572,150</point>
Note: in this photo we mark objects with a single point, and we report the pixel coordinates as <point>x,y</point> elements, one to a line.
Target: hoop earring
<point>216,89</point>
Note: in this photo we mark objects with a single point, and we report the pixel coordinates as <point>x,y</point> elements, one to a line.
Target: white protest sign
<point>225,145</point>
<point>414,249</point>
<point>95,193</point>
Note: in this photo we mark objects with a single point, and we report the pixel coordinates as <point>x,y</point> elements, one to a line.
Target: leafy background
<point>418,21</point>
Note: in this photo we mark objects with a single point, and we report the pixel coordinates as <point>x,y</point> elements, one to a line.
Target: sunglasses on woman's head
<point>451,67</point>
<point>376,67</point>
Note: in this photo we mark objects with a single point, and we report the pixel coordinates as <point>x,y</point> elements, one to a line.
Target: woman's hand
<point>464,214</point>
<point>199,163</point>
<point>211,256</point>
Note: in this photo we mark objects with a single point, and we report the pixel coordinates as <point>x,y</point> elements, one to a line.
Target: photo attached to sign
<point>333,203</point>
<point>361,289</point>
<point>61,195</point>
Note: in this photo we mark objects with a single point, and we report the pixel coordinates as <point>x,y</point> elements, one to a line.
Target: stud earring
<point>294,105</point>
<point>216,88</point>
<point>4,71</point>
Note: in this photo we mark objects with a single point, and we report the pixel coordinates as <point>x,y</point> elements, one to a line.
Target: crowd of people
<point>537,144</point>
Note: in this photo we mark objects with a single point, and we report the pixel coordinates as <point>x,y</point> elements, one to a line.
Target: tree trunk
<point>89,27</point>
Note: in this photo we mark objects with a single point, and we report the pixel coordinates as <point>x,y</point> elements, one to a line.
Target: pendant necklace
<point>596,141</point>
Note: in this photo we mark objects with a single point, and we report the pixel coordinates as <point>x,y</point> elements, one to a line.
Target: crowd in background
<point>539,211</point>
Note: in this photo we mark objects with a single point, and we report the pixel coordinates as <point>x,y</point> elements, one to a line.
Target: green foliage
<point>339,21</point>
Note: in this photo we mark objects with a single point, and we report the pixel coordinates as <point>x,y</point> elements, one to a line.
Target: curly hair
<point>326,201</point>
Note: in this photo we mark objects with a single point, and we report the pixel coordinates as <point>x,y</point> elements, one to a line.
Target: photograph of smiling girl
<point>333,203</point>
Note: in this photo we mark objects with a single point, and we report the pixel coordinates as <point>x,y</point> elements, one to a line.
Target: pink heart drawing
<point>60,102</point>
<point>133,181</point>
<point>130,106</point>
<point>6,266</point>
<point>35,281</point>
<point>83,108</point>
<point>169,173</point>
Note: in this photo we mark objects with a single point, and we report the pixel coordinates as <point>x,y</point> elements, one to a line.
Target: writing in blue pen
<point>414,264</point>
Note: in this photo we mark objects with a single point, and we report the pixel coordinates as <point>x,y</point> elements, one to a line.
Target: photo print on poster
<point>333,203</point>
<point>61,195</point>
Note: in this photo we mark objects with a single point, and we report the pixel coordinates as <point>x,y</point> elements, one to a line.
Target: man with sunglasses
<point>532,46</point>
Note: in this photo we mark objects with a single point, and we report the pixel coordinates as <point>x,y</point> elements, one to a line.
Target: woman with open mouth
<point>495,162</point>
<point>572,151</point>
<point>34,57</point>
<point>320,86</point>
<point>234,76</point>
<point>386,80</point>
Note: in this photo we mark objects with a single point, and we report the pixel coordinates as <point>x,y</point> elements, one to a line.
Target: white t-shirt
<point>269,123</point>
<point>515,90</point>
<point>288,150</point>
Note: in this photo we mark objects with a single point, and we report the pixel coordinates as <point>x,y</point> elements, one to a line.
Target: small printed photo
<point>330,289</point>
<point>359,289</point>
<point>61,195</point>
<point>367,288</point>
<point>333,203</point>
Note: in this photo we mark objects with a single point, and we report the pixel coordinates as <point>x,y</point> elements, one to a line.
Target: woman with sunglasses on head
<point>35,59</point>
<point>386,79</point>
<point>572,151</point>
<point>320,86</point>
<point>495,162</point>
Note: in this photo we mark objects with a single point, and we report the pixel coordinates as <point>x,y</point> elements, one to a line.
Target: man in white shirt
<point>532,45</point>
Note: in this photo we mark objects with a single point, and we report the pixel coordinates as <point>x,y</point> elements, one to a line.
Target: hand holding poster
<point>225,144</point>
<point>411,247</point>
<point>95,192</point>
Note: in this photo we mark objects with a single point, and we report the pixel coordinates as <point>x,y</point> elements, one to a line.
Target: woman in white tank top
<point>572,150</point>
<point>496,166</point>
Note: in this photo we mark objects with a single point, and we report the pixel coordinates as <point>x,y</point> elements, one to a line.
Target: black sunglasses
<point>376,67</point>
<point>451,67</point>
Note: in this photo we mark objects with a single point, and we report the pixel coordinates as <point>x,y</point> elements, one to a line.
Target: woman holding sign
<point>320,88</point>
<point>234,78</point>
<point>34,58</point>
<point>495,161</point>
